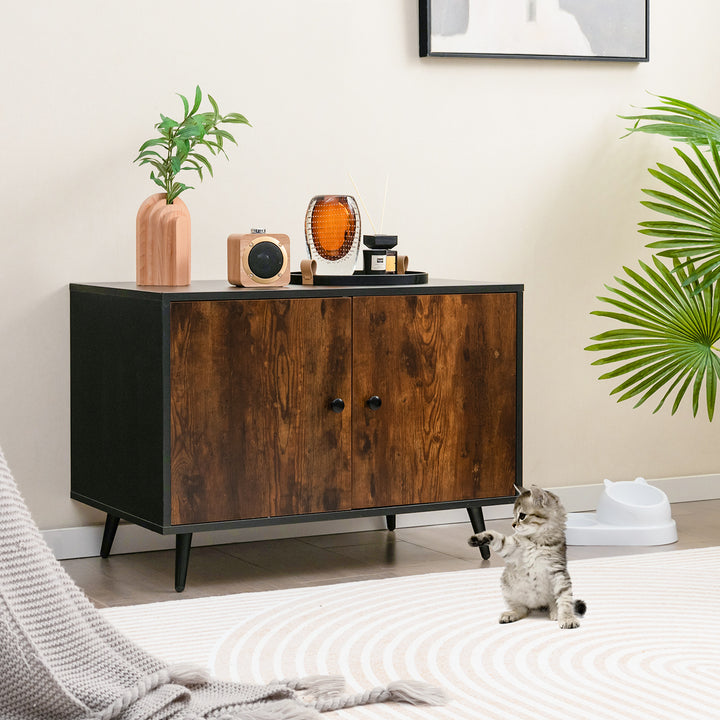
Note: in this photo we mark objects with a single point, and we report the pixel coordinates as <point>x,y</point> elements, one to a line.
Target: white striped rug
<point>649,646</point>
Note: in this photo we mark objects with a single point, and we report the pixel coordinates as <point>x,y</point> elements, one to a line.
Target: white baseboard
<point>78,542</point>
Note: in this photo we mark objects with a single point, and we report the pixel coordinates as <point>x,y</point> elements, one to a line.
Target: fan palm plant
<point>670,311</point>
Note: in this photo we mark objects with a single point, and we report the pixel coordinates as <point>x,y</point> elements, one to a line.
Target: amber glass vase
<point>332,233</point>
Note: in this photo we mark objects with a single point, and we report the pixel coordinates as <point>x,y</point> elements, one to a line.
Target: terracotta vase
<point>162,248</point>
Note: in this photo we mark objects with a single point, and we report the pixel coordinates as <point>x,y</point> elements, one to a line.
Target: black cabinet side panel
<point>116,375</point>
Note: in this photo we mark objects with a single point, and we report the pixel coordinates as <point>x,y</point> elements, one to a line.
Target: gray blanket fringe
<point>61,660</point>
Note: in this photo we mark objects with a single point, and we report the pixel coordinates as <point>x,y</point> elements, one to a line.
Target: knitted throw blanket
<point>61,660</point>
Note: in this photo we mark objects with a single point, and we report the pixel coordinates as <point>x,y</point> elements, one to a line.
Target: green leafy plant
<point>669,336</point>
<point>670,312</point>
<point>678,120</point>
<point>180,144</point>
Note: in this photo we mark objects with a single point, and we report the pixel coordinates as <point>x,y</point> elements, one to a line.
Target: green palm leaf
<point>667,342</point>
<point>694,204</point>
<point>678,120</point>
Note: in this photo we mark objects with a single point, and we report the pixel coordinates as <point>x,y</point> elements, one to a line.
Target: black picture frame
<point>605,30</point>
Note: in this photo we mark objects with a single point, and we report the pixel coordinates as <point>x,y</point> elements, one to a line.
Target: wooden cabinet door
<point>252,434</point>
<point>444,368</point>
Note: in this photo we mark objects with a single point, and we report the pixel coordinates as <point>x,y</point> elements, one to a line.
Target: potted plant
<point>163,220</point>
<point>668,341</point>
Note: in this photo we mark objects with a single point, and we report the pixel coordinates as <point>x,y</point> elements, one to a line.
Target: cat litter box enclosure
<point>628,513</point>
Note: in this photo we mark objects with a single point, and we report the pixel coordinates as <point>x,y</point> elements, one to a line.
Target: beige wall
<point>499,170</point>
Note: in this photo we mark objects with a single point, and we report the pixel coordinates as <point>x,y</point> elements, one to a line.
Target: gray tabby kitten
<point>535,575</point>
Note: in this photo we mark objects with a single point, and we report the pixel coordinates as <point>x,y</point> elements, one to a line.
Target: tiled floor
<point>273,564</point>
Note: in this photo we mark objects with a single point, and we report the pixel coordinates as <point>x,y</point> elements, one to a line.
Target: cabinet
<point>212,407</point>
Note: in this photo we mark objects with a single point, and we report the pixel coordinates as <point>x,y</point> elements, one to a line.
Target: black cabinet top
<point>221,290</point>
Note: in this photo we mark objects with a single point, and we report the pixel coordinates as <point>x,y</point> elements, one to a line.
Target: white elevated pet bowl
<point>628,513</point>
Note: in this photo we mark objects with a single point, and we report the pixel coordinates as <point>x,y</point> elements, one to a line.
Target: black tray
<point>411,277</point>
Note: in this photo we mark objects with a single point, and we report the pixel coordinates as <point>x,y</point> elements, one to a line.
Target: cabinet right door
<point>444,370</point>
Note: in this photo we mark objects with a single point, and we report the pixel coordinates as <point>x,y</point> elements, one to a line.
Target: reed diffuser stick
<point>362,202</point>
<point>382,219</point>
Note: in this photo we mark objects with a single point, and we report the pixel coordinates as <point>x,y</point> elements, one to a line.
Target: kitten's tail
<point>580,607</point>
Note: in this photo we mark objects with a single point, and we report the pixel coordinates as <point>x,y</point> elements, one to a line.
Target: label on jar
<point>377,263</point>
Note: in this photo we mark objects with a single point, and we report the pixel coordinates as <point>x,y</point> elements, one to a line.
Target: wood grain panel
<point>251,430</point>
<point>444,367</point>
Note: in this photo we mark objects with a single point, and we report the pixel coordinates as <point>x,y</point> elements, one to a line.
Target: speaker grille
<point>265,259</point>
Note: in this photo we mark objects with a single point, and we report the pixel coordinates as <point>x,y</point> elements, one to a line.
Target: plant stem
<point>168,169</point>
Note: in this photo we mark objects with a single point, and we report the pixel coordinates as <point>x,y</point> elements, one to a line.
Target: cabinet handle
<point>337,405</point>
<point>374,402</point>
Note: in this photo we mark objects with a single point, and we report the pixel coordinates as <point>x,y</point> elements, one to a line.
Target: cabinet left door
<point>251,426</point>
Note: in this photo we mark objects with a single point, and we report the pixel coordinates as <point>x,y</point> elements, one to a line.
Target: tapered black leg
<point>391,522</point>
<point>111,526</point>
<point>478,525</point>
<point>182,556</point>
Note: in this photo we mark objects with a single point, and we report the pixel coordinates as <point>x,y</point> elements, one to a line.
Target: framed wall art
<point>558,29</point>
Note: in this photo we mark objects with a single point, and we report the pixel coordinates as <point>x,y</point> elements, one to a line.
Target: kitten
<point>535,575</point>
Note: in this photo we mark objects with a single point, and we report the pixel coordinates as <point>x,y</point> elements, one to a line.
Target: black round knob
<point>374,402</point>
<point>337,405</point>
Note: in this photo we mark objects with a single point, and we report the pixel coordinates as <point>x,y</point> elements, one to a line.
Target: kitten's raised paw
<point>483,538</point>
